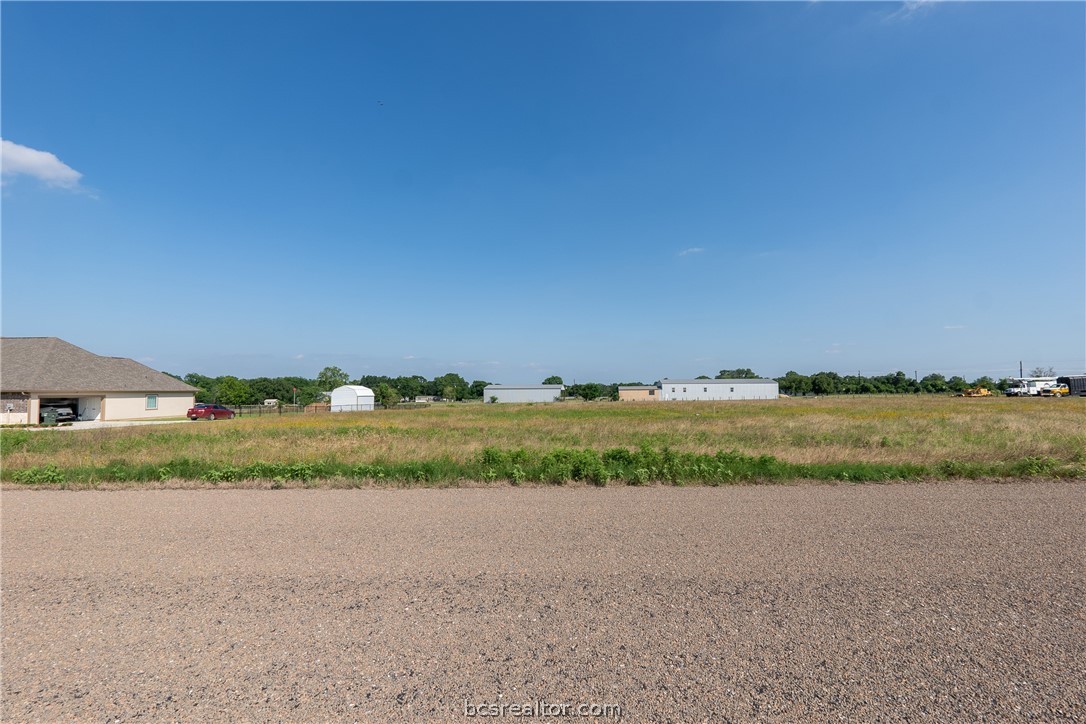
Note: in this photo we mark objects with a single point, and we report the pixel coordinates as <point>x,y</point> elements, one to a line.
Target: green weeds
<point>554,467</point>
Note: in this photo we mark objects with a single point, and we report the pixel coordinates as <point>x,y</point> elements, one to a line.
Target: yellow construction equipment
<point>976,392</point>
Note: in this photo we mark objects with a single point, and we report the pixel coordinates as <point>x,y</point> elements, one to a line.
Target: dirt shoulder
<point>935,601</point>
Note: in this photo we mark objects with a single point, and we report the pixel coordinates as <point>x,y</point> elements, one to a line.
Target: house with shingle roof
<point>38,372</point>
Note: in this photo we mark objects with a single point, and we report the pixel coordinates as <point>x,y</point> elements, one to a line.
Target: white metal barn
<point>522,393</point>
<point>350,398</point>
<point>756,389</point>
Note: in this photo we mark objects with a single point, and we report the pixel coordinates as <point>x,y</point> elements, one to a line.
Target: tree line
<point>388,391</point>
<point>230,390</point>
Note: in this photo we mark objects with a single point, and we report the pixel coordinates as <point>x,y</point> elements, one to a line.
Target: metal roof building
<point>743,389</point>
<point>522,393</point>
<point>351,398</point>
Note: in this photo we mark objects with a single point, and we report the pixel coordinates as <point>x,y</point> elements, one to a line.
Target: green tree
<point>268,388</point>
<point>372,381</point>
<point>232,391</point>
<point>1042,372</point>
<point>588,390</point>
<point>207,386</point>
<point>794,383</point>
<point>743,373</point>
<point>957,384</point>
<point>553,380</point>
<point>332,377</point>
<point>934,383</point>
<point>825,383</point>
<point>475,391</point>
<point>409,387</point>
<point>451,386</point>
<point>986,382</point>
<point>386,395</point>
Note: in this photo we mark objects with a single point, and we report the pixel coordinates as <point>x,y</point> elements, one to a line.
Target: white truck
<point>1029,386</point>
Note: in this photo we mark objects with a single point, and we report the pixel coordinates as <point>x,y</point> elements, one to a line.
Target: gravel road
<point>931,602</point>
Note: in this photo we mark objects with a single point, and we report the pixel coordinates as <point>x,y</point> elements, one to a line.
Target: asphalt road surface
<point>928,602</point>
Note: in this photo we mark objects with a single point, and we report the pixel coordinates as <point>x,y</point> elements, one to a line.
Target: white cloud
<point>409,356</point>
<point>691,250</point>
<point>953,326</point>
<point>909,8</point>
<point>299,356</point>
<point>42,165</point>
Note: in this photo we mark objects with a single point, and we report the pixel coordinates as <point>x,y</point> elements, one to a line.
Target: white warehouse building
<point>522,393</point>
<point>350,398</point>
<point>746,389</point>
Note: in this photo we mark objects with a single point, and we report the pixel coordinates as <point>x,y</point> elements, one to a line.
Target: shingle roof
<point>49,364</point>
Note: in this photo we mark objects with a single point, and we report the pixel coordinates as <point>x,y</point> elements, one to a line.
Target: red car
<point>210,412</point>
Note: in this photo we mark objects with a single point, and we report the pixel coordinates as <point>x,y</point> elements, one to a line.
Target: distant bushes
<point>554,466</point>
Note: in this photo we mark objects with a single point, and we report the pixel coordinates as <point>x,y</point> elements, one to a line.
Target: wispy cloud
<point>299,356</point>
<point>953,326</point>
<point>691,250</point>
<point>409,356</point>
<point>838,348</point>
<point>46,167</point>
<point>910,9</point>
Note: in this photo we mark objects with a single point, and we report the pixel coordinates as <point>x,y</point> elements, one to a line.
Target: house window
<point>672,389</point>
<point>684,389</point>
<point>732,389</point>
<point>704,389</point>
<point>152,402</point>
<point>652,392</point>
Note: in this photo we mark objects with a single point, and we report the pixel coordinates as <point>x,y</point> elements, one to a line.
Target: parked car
<point>210,412</point>
<point>64,414</point>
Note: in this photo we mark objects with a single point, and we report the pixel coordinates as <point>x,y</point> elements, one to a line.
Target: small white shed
<point>351,398</point>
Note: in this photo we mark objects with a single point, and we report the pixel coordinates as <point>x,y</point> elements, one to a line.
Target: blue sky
<point>608,191</point>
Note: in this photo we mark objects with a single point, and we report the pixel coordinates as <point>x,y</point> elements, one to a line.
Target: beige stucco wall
<point>114,406</point>
<point>637,396</point>
<point>133,405</point>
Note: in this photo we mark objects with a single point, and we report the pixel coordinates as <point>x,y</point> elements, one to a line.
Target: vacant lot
<point>945,436</point>
<point>938,602</point>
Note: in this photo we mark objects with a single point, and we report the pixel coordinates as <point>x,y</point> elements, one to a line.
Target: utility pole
<point>1020,369</point>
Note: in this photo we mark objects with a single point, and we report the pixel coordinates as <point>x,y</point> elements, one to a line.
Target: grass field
<point>850,438</point>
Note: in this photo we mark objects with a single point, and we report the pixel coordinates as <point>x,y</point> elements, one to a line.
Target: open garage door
<point>90,408</point>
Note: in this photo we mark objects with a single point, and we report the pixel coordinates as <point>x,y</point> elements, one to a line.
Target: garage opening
<point>65,407</point>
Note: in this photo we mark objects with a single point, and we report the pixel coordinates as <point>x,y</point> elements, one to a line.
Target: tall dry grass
<point>876,429</point>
